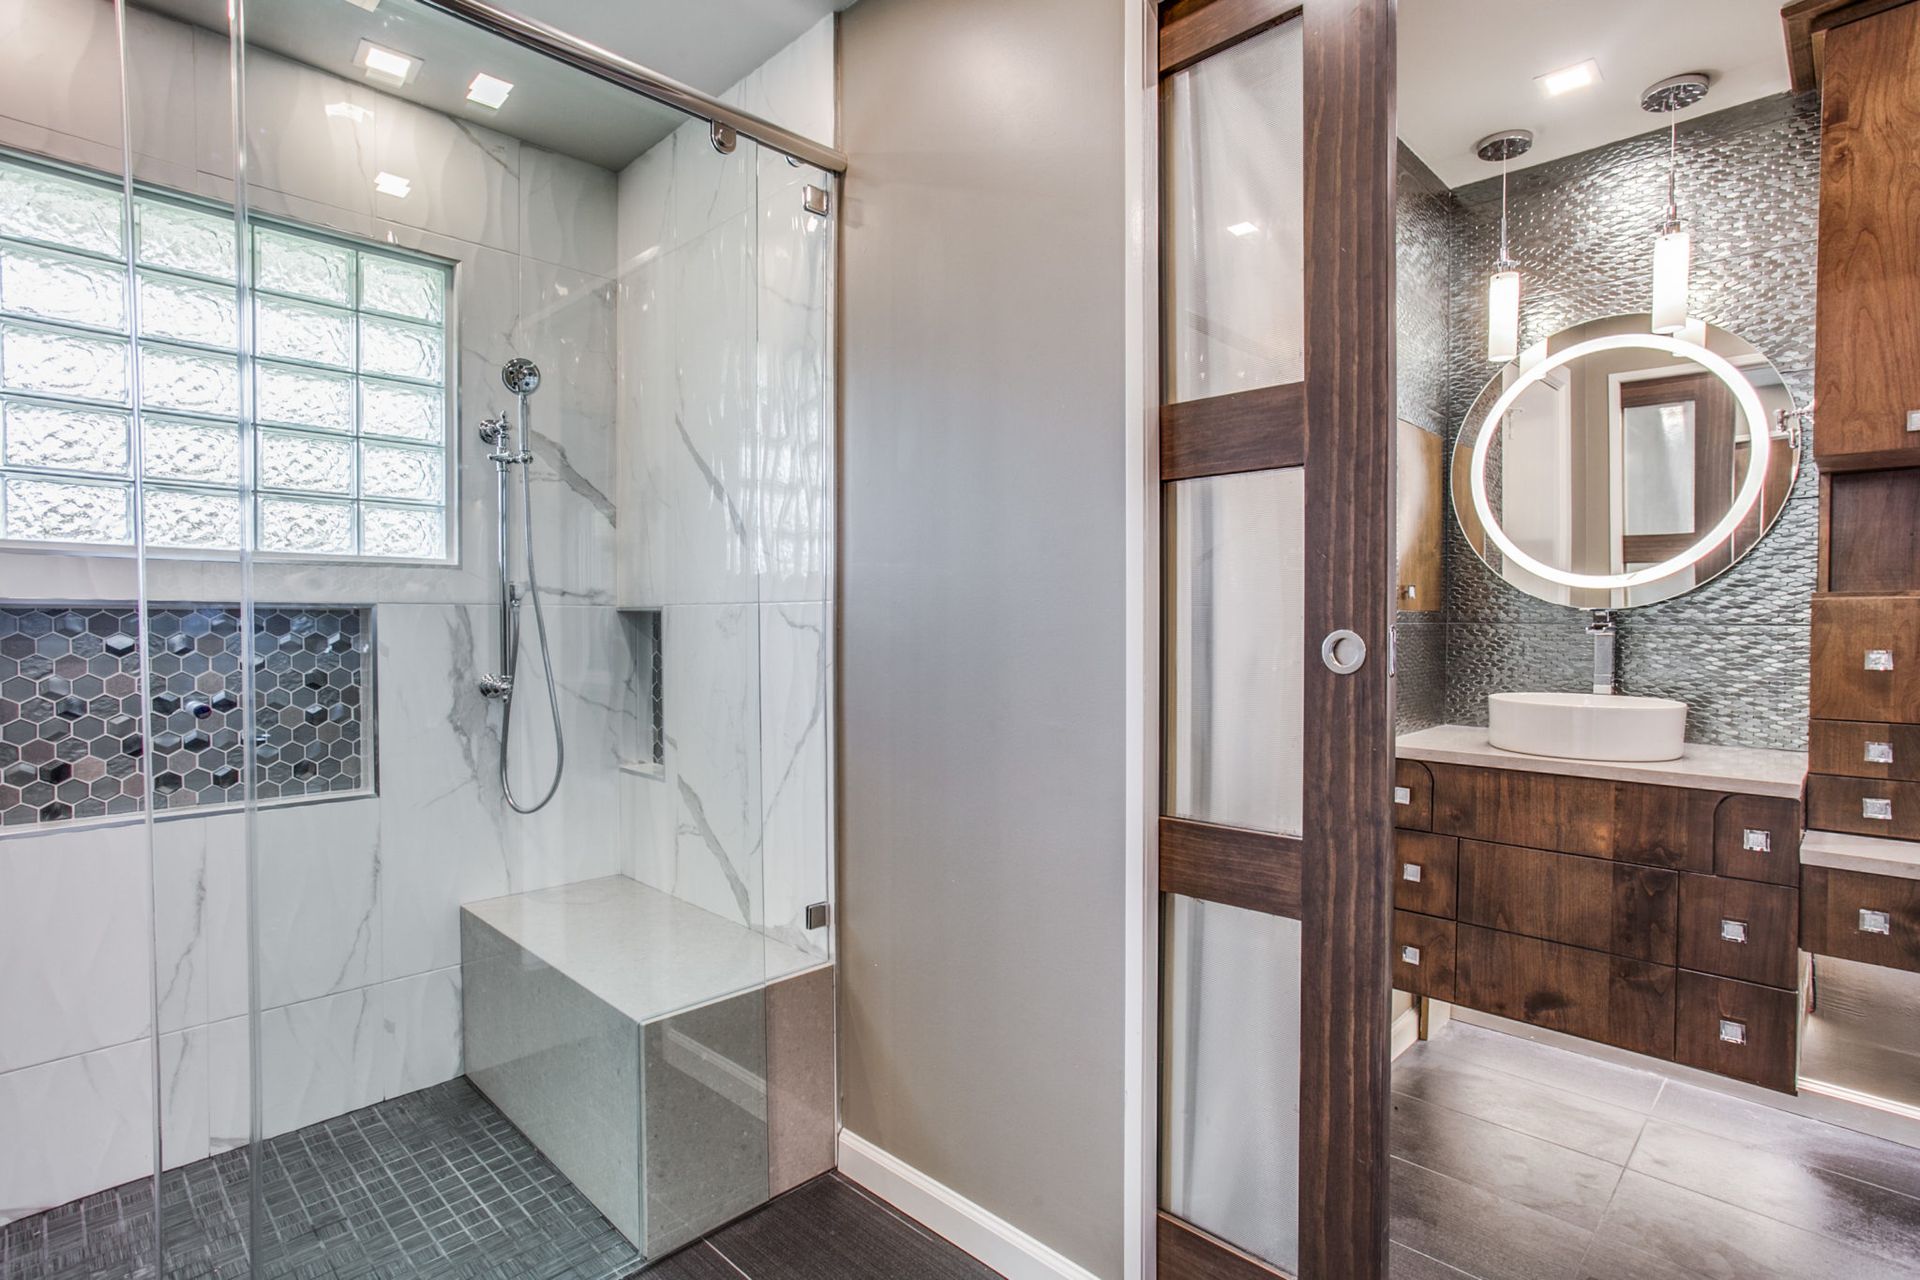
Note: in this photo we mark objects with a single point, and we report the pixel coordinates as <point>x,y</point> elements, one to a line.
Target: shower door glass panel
<point>1235,214</point>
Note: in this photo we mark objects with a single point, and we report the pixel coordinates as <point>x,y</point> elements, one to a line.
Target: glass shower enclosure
<point>303,576</point>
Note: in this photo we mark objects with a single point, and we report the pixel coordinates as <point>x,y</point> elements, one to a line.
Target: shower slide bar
<point>610,66</point>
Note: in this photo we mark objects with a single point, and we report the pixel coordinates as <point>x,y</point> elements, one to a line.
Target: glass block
<point>182,238</point>
<point>290,524</point>
<point>55,286</point>
<point>44,435</point>
<point>188,311</point>
<point>296,331</point>
<point>184,518</point>
<point>38,205</point>
<point>189,381</point>
<point>58,511</point>
<point>413,289</point>
<point>63,364</point>
<point>303,397</point>
<point>400,350</point>
<point>174,449</point>
<point>301,265</point>
<point>295,460</point>
<point>406,533</point>
<point>399,409</point>
<point>387,471</point>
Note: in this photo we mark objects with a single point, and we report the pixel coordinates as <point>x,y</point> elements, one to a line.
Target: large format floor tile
<point>1525,1170</point>
<point>1563,1117</point>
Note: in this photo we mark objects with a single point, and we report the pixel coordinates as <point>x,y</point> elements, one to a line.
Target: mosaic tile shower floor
<point>435,1184</point>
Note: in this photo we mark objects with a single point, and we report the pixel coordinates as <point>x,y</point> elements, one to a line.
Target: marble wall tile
<point>318,869</point>
<point>420,1023</point>
<point>795,676</point>
<point>73,943</point>
<point>792,485</point>
<point>796,88</point>
<point>185,1097</point>
<point>320,1058</point>
<point>200,918</point>
<point>567,211</point>
<point>73,1126</point>
<point>712,713</point>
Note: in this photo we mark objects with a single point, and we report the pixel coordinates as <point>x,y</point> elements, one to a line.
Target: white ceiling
<point>1467,69</point>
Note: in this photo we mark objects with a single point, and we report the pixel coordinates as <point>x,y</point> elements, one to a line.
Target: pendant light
<point>1673,246</point>
<point>1503,287</point>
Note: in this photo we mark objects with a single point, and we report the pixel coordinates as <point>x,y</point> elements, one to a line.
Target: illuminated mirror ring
<point>1743,503</point>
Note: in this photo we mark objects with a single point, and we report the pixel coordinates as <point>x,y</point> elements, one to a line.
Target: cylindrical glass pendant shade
<point>1503,316</point>
<point>1672,259</point>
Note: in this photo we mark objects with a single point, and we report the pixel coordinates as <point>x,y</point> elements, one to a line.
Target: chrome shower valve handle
<point>494,430</point>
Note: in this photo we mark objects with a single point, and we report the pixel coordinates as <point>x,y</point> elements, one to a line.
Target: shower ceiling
<point>1468,68</point>
<point>708,45</point>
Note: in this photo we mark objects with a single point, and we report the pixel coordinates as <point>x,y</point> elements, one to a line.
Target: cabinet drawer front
<point>1423,872</point>
<point>1412,796</point>
<point>1423,955</point>
<point>1585,902</point>
<point>1757,838</point>
<point>1856,749</point>
<point>1738,1029</point>
<point>1856,916</point>
<point>1534,810</point>
<point>1865,662</point>
<point>1864,806</point>
<point>1617,1001</point>
<point>1664,826</point>
<point>1740,929</point>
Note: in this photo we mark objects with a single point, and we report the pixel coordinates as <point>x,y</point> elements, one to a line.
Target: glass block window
<point>348,369</point>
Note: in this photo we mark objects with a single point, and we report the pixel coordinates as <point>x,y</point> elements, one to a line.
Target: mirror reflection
<point>1621,470</point>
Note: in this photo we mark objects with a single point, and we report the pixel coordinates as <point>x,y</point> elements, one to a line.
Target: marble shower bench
<point>676,1066</point>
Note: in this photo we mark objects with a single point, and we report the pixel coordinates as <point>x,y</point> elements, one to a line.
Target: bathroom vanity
<point>1655,907</point>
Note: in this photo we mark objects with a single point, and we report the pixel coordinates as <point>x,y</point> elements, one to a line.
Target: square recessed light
<point>1567,79</point>
<point>384,64</point>
<point>392,184</point>
<point>489,91</point>
<point>349,111</point>
<point>368,5</point>
<point>1242,229</point>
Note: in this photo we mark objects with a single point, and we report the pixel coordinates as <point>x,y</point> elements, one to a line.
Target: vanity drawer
<point>1423,955</point>
<point>1865,662</point>
<point>1853,915</point>
<point>1412,796</point>
<point>1738,1029</point>
<point>1857,749</point>
<point>1630,822</point>
<point>1423,872</point>
<point>1617,1001</point>
<point>1740,929</point>
<point>1757,838</point>
<point>1585,902</point>
<point>1664,826</point>
<point>1864,806</point>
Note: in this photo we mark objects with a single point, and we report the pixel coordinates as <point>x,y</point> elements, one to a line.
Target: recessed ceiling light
<point>385,65</point>
<point>1567,79</point>
<point>392,184</point>
<point>1242,229</point>
<point>368,5</point>
<point>488,91</point>
<point>349,111</point>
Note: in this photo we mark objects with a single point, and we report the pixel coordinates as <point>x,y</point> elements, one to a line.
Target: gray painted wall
<point>1582,228</point>
<point>982,685</point>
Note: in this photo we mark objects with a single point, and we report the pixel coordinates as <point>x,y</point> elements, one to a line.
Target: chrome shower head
<point>522,376</point>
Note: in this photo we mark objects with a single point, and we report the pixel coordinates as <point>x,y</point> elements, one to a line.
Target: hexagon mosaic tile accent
<point>71,741</point>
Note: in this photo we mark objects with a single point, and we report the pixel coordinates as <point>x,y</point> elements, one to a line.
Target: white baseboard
<point>950,1215</point>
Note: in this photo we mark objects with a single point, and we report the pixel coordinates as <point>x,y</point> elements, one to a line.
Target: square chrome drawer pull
<point>1876,921</point>
<point>1411,955</point>
<point>1879,753</point>
<point>1732,1032</point>
<point>1878,810</point>
<point>1879,660</point>
<point>1402,795</point>
<point>1913,419</point>
<point>1410,872</point>
<point>1731,931</point>
<point>1756,841</point>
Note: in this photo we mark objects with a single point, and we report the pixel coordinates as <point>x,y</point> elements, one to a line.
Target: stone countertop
<point>1742,770</point>
<point>1871,854</point>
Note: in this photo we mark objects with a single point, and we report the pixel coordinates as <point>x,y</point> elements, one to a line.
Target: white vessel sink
<point>1587,726</point>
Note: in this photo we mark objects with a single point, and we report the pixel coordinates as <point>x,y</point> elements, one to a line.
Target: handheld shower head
<point>522,376</point>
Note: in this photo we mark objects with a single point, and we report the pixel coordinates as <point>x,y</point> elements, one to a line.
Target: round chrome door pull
<point>1344,652</point>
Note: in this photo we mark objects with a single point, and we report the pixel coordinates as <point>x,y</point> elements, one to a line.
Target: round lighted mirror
<point>1611,466</point>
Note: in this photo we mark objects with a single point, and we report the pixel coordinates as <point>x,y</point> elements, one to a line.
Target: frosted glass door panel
<point>1230,1075</point>
<point>1234,649</point>
<point>1235,275</point>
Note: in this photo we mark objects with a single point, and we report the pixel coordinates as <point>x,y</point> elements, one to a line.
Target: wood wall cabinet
<point>1854,915</point>
<point>1867,376</point>
<point>1637,915</point>
<point>1866,663</point>
<point>1864,806</point>
<point>1861,749</point>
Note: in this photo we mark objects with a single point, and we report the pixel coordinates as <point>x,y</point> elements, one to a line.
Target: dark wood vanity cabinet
<point>1858,916</point>
<point>1663,920</point>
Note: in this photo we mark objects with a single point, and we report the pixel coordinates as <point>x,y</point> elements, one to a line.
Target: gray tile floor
<point>1514,1160</point>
